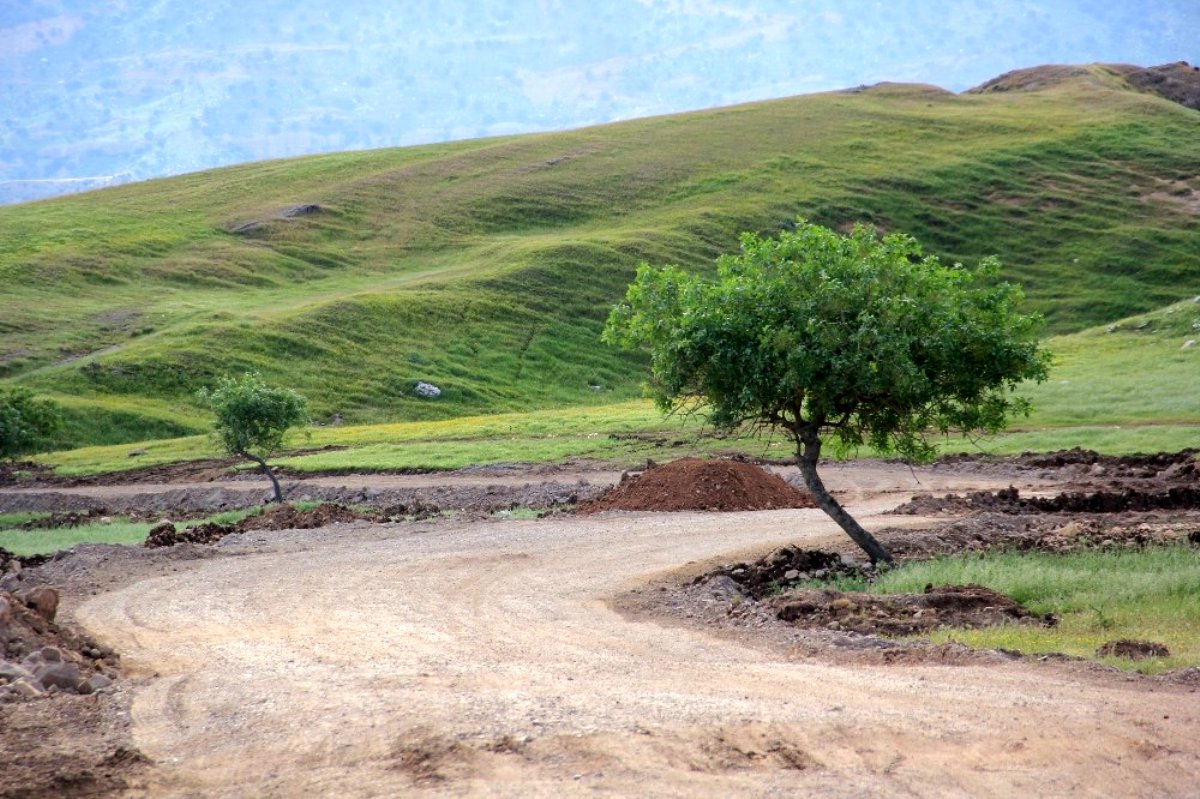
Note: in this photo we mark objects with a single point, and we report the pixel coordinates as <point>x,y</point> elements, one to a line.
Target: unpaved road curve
<point>484,659</point>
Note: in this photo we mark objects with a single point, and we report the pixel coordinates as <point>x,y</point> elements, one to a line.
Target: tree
<point>252,418</point>
<point>854,339</point>
<point>25,422</point>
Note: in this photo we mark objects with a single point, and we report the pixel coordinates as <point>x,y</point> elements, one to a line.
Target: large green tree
<point>854,339</point>
<point>253,417</point>
<point>25,422</point>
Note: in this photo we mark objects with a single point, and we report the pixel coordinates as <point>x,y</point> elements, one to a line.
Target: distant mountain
<point>487,267</point>
<point>99,92</point>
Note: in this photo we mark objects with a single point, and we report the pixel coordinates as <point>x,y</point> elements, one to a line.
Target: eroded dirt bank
<point>479,490</point>
<point>489,659</point>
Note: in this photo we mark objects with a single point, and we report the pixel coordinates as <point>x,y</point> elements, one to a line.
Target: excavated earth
<point>388,649</point>
<point>699,484</point>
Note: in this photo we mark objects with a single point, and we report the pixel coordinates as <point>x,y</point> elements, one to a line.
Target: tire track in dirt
<point>484,659</point>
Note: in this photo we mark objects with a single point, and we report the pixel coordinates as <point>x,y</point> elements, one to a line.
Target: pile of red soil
<point>700,484</point>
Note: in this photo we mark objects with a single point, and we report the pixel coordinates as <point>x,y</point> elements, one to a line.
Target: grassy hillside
<point>487,267</point>
<point>1126,387</point>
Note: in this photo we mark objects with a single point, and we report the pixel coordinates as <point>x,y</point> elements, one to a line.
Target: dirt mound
<point>165,534</point>
<point>1048,532</point>
<point>1166,465</point>
<point>786,566</point>
<point>777,581</point>
<point>287,517</point>
<point>700,484</point>
<point>279,517</point>
<point>1134,650</point>
<point>903,614</point>
<point>1084,465</point>
<point>1010,501</point>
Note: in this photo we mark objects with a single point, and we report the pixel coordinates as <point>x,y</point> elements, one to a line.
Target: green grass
<point>14,519</point>
<point>1135,388</point>
<point>1116,440</point>
<point>624,434</point>
<point>1098,596</point>
<point>120,530</point>
<point>1126,376</point>
<point>1131,390</point>
<point>37,542</point>
<point>487,267</point>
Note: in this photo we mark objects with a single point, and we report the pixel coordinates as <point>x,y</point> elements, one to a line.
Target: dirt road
<point>486,659</point>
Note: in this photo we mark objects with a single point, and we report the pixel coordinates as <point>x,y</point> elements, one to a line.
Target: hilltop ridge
<point>1178,82</point>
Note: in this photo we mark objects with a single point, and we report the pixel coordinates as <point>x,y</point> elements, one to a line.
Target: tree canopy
<point>852,338</point>
<point>25,421</point>
<point>253,417</point>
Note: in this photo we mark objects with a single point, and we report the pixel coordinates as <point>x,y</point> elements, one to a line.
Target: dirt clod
<point>903,614</point>
<point>287,517</point>
<point>786,566</point>
<point>429,758</point>
<point>166,534</point>
<point>279,517</point>
<point>700,484</point>
<point>1133,650</point>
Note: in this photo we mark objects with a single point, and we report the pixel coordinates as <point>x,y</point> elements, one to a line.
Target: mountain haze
<point>487,267</point>
<point>109,91</point>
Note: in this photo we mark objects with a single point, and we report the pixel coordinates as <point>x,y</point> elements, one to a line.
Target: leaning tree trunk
<point>262,465</point>
<point>808,450</point>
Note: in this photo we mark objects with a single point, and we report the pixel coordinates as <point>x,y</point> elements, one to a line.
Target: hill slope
<point>487,267</point>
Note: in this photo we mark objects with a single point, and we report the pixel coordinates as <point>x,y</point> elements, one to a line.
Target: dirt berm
<point>700,484</point>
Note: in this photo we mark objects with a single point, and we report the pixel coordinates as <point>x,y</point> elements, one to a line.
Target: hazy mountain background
<point>98,92</point>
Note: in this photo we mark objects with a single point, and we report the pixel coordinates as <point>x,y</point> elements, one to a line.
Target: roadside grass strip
<point>1150,594</point>
<point>119,530</point>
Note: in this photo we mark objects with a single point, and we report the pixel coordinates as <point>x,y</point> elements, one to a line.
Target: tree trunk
<point>262,464</point>
<point>808,450</point>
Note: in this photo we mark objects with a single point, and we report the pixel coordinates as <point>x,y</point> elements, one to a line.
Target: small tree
<point>252,418</point>
<point>25,422</point>
<point>851,338</point>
